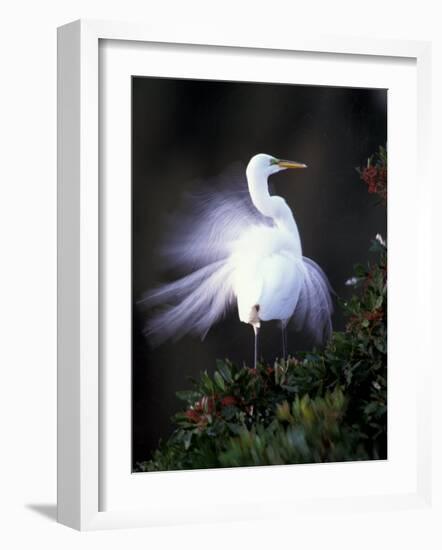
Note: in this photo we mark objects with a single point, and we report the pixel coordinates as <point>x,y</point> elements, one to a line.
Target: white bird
<point>240,247</point>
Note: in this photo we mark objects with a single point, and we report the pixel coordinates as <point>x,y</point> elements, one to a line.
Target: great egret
<point>240,248</point>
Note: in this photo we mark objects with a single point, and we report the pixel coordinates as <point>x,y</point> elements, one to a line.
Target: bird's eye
<point>273,161</point>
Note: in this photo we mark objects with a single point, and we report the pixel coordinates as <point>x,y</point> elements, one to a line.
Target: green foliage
<point>321,406</point>
<point>308,430</point>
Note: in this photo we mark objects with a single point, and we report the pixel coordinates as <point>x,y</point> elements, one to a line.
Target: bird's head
<point>267,165</point>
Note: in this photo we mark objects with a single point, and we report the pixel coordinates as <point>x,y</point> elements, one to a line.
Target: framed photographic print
<point>224,327</point>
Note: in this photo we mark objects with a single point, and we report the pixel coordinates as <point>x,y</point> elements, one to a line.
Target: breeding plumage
<point>239,246</point>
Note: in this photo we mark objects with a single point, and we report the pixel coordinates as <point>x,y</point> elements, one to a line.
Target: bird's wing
<point>210,221</point>
<point>281,278</point>
<point>189,305</point>
<point>314,307</point>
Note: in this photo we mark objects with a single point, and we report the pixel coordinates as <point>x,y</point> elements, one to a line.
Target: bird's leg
<point>255,322</point>
<point>255,357</point>
<point>284,339</point>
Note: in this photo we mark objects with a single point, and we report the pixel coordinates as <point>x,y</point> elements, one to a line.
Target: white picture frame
<point>79,265</point>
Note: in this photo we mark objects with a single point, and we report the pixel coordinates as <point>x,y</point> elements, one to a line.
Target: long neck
<point>272,207</point>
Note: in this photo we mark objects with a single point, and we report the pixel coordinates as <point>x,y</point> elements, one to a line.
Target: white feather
<point>210,221</point>
<point>314,308</point>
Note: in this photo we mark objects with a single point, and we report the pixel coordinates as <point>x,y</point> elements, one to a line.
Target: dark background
<point>185,131</point>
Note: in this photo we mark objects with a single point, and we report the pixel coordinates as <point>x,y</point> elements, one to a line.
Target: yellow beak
<point>291,164</point>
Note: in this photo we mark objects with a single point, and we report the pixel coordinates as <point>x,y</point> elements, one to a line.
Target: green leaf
<point>219,381</point>
<point>187,395</point>
<point>229,412</point>
<point>224,370</point>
